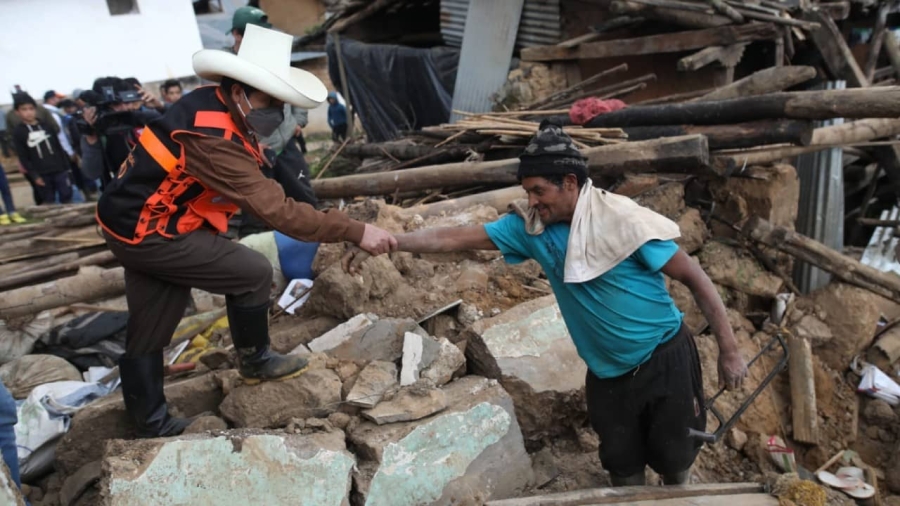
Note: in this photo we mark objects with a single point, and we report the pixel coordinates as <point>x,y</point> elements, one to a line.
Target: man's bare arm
<point>429,240</point>
<point>732,367</point>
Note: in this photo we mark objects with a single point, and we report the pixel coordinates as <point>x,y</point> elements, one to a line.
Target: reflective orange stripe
<point>214,119</point>
<point>158,150</point>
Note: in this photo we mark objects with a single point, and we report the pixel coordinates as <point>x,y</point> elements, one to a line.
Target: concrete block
<point>106,419</point>
<point>383,340</point>
<point>372,383</point>
<point>316,393</point>
<point>341,333</point>
<point>234,469</point>
<point>529,350</point>
<point>467,454</point>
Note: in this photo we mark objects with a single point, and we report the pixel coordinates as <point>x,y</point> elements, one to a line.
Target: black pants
<point>643,416</point>
<point>339,133</point>
<point>159,275</point>
<point>55,184</point>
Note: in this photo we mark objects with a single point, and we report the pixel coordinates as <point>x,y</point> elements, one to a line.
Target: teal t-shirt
<point>615,320</point>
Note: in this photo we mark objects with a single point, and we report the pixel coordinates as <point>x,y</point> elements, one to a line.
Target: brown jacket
<point>225,167</point>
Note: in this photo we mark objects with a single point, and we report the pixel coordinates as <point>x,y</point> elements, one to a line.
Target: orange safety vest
<point>153,192</point>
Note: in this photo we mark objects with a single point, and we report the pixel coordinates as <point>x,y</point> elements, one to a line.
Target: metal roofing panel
<point>539,24</point>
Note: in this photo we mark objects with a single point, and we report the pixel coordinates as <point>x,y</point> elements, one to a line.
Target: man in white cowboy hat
<point>188,174</point>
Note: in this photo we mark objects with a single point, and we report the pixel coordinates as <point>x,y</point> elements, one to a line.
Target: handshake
<point>375,241</point>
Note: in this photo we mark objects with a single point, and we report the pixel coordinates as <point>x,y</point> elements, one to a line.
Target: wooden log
<point>655,44</point>
<point>849,133</point>
<point>498,199</point>
<point>30,265</point>
<point>763,82</point>
<point>91,283</point>
<point>676,154</point>
<point>728,56</point>
<point>741,135</point>
<point>893,50</point>
<point>826,104</point>
<point>837,55</point>
<point>35,275</point>
<point>604,92</point>
<point>581,39</point>
<point>874,222</point>
<point>727,10</point>
<point>876,43</point>
<point>837,11</point>
<point>815,253</point>
<point>803,391</point>
<point>778,20</point>
<point>667,15</point>
<point>403,151</point>
<point>629,495</point>
<point>578,86</point>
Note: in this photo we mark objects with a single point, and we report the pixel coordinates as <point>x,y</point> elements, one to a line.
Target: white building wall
<point>66,44</point>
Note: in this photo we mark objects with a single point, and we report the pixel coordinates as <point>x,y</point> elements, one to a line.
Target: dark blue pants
<point>8,421</point>
<point>8,205</point>
<point>56,184</point>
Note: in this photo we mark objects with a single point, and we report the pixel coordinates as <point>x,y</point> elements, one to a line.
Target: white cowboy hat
<point>263,62</point>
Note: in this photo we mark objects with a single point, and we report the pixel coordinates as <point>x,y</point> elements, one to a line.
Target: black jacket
<point>39,150</point>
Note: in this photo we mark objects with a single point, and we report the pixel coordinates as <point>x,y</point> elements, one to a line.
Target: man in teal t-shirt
<point>644,384</point>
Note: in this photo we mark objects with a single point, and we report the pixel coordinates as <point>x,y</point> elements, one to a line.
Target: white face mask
<point>262,121</point>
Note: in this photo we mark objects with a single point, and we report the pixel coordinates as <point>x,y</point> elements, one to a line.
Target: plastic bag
<point>879,385</point>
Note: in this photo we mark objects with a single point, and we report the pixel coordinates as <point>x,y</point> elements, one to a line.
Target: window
<point>119,7</point>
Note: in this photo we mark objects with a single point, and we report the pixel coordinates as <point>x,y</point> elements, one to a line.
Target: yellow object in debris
<point>200,344</point>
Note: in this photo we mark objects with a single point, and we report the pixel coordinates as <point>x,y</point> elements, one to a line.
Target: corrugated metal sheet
<point>821,208</point>
<point>486,53</point>
<point>881,251</point>
<point>539,25</point>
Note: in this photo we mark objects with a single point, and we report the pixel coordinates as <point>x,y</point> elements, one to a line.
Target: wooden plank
<point>676,17</point>
<point>741,135</point>
<point>876,42</point>
<point>760,83</point>
<point>803,391</point>
<point>728,56</point>
<point>727,10</point>
<point>581,39</point>
<point>893,50</point>
<point>831,44</point>
<point>654,44</point>
<point>624,495</point>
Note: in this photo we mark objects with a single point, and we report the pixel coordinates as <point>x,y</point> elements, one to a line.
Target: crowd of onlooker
<point>69,147</point>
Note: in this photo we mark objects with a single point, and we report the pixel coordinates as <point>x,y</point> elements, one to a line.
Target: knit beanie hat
<point>22,98</point>
<point>551,152</point>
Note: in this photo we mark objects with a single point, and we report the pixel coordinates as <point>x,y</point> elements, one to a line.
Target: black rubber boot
<point>681,478</point>
<point>635,480</point>
<point>250,335</point>
<point>145,399</point>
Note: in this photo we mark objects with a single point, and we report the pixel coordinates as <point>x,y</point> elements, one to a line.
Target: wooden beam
<point>91,283</point>
<point>893,50</point>
<point>875,222</point>
<point>654,44</point>
<point>741,135</point>
<point>728,56</point>
<point>498,199</point>
<point>629,495</point>
<point>826,104</point>
<point>831,44</point>
<point>803,391</point>
<point>581,39</point>
<point>760,83</point>
<point>727,10</point>
<point>677,17</point>
<point>815,253</point>
<point>876,43</point>
<point>837,11</point>
<point>686,154</point>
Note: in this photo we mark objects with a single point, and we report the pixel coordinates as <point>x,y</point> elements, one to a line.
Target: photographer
<point>110,127</point>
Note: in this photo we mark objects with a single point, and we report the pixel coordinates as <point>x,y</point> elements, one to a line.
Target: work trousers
<point>159,275</point>
<point>57,184</point>
<point>643,416</point>
<point>8,205</point>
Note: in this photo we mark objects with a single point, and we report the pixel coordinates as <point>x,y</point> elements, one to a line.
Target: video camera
<point>109,121</point>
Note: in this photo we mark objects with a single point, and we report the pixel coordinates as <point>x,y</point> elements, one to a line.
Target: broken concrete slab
<point>372,383</point>
<point>316,393</point>
<point>106,419</point>
<point>467,454</point>
<point>449,360</point>
<point>237,469</point>
<point>383,340</point>
<point>418,353</point>
<point>9,492</point>
<point>409,404</point>
<point>529,350</point>
<point>341,333</point>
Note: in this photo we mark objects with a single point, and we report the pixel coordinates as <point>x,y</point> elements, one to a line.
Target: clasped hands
<point>375,241</point>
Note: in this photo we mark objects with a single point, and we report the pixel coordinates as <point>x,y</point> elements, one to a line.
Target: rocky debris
<point>206,424</point>
<point>473,277</point>
<point>423,463</point>
<point>528,349</point>
<point>411,267</point>
<point>892,472</point>
<point>341,333</point>
<point>666,199</point>
<point>770,192</point>
<point>449,360</point>
<point>9,492</point>
<point>693,231</point>
<point>383,340</point>
<point>852,314</point>
<point>22,375</point>
<point>413,403</point>
<point>880,413</point>
<point>736,439</point>
<point>271,404</point>
<point>77,484</point>
<point>738,269</point>
<point>288,334</point>
<point>543,464</point>
<point>340,420</point>
<point>217,359</point>
<point>249,468</point>
<point>106,419</point>
<point>372,383</point>
<point>418,353</point>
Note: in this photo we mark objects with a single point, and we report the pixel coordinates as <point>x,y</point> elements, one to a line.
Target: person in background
<point>171,91</point>
<point>40,152</point>
<point>337,118</point>
<point>8,420</point>
<point>8,215</point>
<point>87,186</point>
<point>5,149</point>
